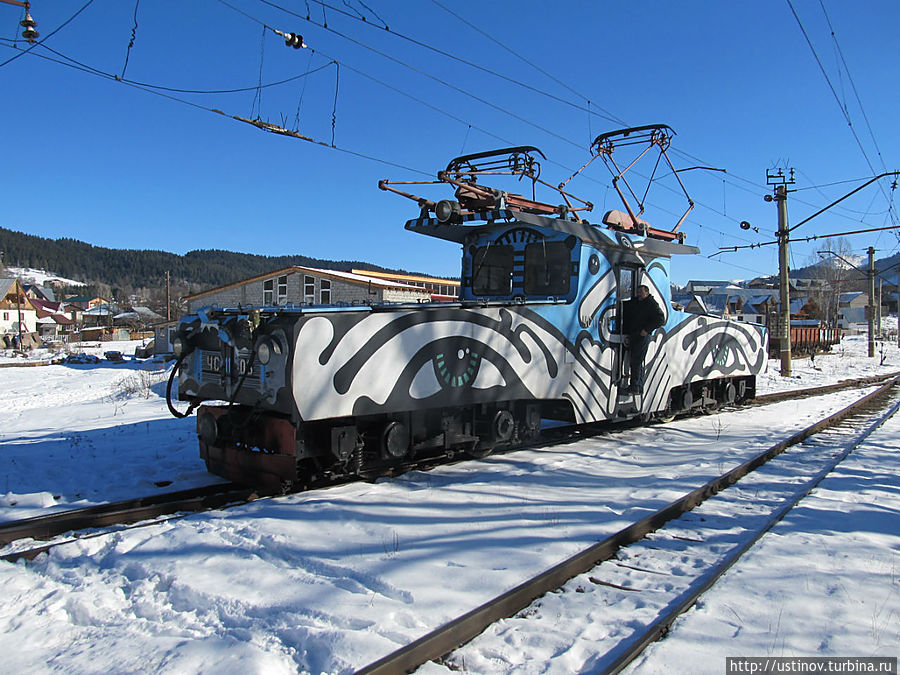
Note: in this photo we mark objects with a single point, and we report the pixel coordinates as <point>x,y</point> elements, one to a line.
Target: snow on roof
<point>851,295</point>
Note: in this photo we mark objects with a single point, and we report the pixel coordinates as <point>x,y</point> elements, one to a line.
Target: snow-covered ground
<point>40,277</point>
<point>328,581</point>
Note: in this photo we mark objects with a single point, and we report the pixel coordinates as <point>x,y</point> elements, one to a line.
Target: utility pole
<point>168,302</point>
<point>18,288</point>
<point>780,181</point>
<point>878,330</point>
<point>870,310</point>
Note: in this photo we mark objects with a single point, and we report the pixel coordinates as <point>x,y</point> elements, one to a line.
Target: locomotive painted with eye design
<point>287,393</point>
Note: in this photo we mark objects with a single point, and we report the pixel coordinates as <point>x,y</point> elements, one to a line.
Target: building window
<point>269,292</point>
<point>325,290</point>
<point>282,290</point>
<point>309,289</point>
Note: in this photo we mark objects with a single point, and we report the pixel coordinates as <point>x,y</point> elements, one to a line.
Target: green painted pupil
<point>459,371</point>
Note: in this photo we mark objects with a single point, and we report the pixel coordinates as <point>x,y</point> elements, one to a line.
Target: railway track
<point>146,510</point>
<point>610,564</point>
<point>855,383</point>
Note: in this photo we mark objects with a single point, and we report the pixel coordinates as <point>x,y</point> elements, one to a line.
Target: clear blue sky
<point>112,165</point>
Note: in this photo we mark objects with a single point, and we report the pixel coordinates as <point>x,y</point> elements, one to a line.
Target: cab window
<point>547,268</point>
<point>492,268</point>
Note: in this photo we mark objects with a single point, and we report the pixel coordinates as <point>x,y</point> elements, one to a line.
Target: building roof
<point>411,278</point>
<point>716,304</point>
<point>99,310</point>
<point>45,317</point>
<point>7,286</point>
<point>46,305</point>
<point>850,296</point>
<point>713,284</point>
<point>350,277</point>
<point>798,303</point>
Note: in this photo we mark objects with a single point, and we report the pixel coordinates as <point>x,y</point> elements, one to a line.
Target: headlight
<point>179,346</point>
<point>267,348</point>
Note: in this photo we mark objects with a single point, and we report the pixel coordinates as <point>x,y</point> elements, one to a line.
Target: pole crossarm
<point>734,249</point>
<point>853,192</point>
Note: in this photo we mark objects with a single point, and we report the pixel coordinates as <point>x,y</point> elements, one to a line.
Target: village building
<point>85,302</point>
<point>309,286</point>
<point>17,311</point>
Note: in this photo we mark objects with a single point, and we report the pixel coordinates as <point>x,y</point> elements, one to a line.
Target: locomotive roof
<point>482,222</point>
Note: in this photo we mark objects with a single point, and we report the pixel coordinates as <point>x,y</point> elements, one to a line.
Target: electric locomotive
<point>289,393</point>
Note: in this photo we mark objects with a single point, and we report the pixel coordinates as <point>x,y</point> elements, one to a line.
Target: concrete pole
<point>783,280</point>
<point>871,308</point>
<point>878,330</point>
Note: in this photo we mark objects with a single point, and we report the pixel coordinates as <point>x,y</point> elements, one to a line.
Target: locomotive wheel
<point>503,426</point>
<point>730,394</point>
<point>395,440</point>
<point>687,399</point>
<point>500,431</point>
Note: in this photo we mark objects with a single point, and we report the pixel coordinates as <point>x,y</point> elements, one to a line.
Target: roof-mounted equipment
<point>522,162</point>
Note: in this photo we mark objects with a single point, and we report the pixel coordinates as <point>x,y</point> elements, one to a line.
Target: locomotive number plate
<point>242,364</point>
<point>212,362</point>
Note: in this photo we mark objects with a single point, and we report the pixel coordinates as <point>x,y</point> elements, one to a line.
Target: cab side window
<point>492,268</point>
<point>547,268</point>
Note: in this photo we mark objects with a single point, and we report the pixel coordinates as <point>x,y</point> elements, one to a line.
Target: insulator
<point>30,34</point>
<point>293,40</point>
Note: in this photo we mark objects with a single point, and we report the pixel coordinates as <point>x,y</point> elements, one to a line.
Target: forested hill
<point>127,268</point>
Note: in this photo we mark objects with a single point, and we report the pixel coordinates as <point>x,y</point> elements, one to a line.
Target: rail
<point>459,631</point>
<point>118,513</point>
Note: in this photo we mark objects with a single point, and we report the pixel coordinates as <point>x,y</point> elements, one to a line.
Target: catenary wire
<point>503,110</point>
<point>453,87</point>
<point>108,76</point>
<point>838,100</point>
<point>608,116</point>
<point>853,86</point>
<point>139,85</point>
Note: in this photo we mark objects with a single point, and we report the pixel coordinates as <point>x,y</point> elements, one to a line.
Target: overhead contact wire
<point>98,73</point>
<point>837,99</point>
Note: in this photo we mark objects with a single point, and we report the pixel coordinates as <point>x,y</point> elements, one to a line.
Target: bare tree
<point>834,267</point>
